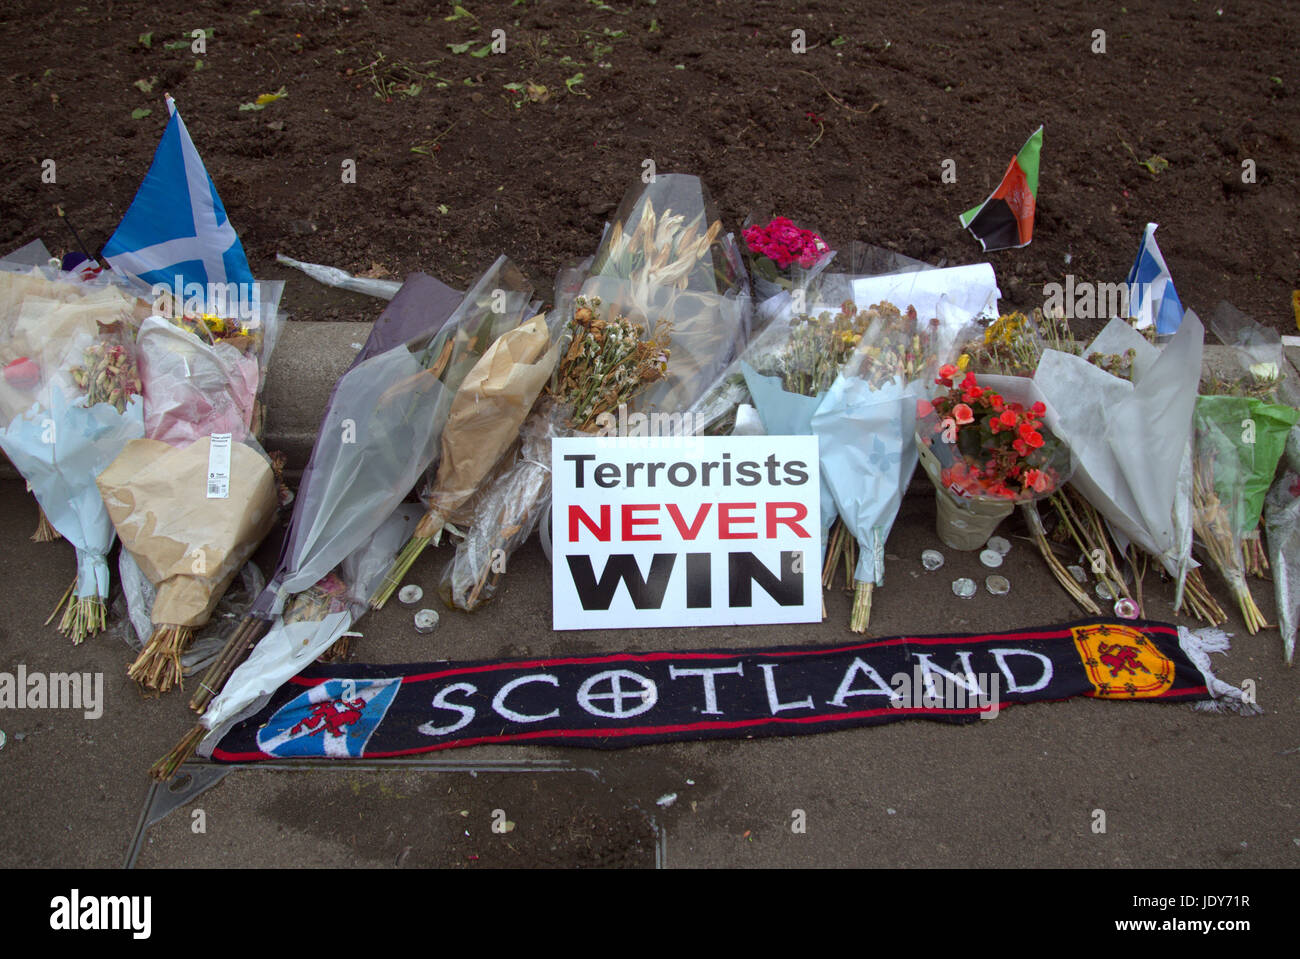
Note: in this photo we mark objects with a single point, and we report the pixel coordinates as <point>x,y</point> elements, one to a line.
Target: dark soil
<point>849,137</point>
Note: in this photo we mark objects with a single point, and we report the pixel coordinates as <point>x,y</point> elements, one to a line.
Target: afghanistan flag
<point>1005,220</point>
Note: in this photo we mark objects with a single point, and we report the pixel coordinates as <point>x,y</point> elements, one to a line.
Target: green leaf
<point>145,86</point>
<point>146,39</point>
<point>139,113</point>
<point>265,98</point>
<point>459,47</point>
<point>839,41</point>
<point>176,45</point>
<point>572,82</point>
<point>442,208</point>
<point>483,51</point>
<point>198,65</point>
<point>1155,164</point>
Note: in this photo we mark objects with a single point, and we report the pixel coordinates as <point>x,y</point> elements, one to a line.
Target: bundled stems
<point>1085,528</point>
<point>159,664</point>
<point>1253,554</point>
<point>166,767</point>
<point>428,531</point>
<point>82,615</point>
<point>45,533</point>
<point>840,546</point>
<point>860,618</point>
<point>1138,574</point>
<point>237,648</point>
<point>1200,602</point>
<point>1214,530</point>
<point>1063,576</point>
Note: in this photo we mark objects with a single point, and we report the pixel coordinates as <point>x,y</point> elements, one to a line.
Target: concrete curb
<point>311,356</point>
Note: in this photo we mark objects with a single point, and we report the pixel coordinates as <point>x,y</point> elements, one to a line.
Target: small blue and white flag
<point>1152,297</point>
<point>177,226</point>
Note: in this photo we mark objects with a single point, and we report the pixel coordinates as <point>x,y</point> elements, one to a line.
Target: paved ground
<point>1178,788</point>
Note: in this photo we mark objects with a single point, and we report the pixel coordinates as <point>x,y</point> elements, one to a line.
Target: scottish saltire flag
<point>1152,297</point>
<point>333,719</point>
<point>1005,221</point>
<point>176,226</point>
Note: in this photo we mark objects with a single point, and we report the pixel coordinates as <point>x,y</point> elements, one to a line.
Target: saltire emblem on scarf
<point>334,719</point>
<point>1005,221</point>
<point>177,226</point>
<point>627,699</point>
<point>1152,297</point>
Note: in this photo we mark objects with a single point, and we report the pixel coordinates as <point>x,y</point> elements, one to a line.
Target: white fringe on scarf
<point>1227,698</point>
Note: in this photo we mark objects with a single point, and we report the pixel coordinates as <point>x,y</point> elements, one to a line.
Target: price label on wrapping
<point>219,466</point>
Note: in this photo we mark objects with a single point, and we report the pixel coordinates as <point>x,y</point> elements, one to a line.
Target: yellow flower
<point>963,361</point>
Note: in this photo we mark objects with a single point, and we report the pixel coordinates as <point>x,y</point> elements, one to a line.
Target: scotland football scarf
<point>629,699</point>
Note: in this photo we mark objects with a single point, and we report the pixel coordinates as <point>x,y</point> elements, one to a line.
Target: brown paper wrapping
<point>486,414</point>
<point>157,498</point>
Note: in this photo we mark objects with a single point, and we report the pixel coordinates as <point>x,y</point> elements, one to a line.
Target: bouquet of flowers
<point>85,407</point>
<point>782,256</point>
<point>867,424</point>
<point>608,362</point>
<point>1239,441</point>
<point>1132,439</point>
<point>485,420</point>
<point>987,445</point>
<point>41,309</point>
<point>1282,524</point>
<point>379,433</point>
<point>667,265</point>
<point>665,280</point>
<point>189,554</point>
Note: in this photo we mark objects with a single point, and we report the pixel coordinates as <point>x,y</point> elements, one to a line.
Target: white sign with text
<point>685,531</point>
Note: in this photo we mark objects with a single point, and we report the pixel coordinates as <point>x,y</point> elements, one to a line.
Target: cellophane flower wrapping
<point>667,262</point>
<point>866,425</point>
<point>1239,441</point>
<point>489,409</point>
<point>85,407</point>
<point>782,256</point>
<point>383,427</point>
<point>1282,532</point>
<point>650,323</point>
<point>1132,438</point>
<point>309,626</point>
<point>993,438</point>
<point>193,388</point>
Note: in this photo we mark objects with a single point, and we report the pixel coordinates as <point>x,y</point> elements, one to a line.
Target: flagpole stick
<point>75,235</point>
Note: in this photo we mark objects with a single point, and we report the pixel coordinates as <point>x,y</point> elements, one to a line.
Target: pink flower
<point>923,408</point>
<point>962,414</point>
